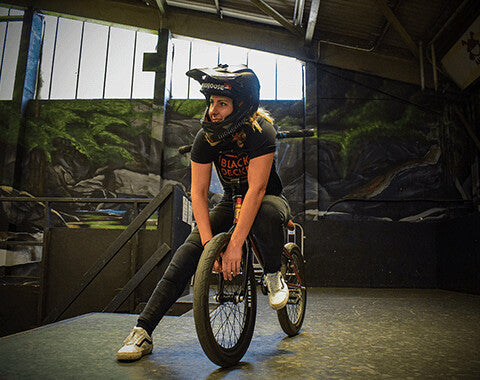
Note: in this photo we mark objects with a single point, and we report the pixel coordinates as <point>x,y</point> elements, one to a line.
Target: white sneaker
<point>277,290</point>
<point>136,345</point>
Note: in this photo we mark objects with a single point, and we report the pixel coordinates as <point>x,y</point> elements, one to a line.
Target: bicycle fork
<point>224,295</point>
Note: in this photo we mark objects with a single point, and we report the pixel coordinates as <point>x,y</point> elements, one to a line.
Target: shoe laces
<point>135,335</point>
<point>274,283</point>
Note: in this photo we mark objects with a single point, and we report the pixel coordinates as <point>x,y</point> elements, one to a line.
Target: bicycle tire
<point>292,315</point>
<point>224,324</point>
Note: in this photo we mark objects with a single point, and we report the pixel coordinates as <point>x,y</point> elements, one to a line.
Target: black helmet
<point>236,82</point>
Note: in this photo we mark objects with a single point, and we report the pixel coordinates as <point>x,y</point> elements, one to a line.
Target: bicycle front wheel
<point>224,311</point>
<point>293,271</point>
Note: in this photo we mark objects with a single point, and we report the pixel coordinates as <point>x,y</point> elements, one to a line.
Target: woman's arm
<point>201,174</point>
<point>258,174</point>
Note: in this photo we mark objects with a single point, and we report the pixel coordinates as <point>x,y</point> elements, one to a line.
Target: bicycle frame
<point>225,326</point>
<point>251,246</point>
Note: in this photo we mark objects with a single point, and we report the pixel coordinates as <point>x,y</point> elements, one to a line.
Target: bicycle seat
<point>290,225</point>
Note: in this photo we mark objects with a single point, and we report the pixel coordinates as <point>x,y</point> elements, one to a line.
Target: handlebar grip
<point>185,149</point>
<point>300,133</point>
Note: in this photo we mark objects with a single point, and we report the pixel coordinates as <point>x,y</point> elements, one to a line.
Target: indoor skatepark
<point>95,108</point>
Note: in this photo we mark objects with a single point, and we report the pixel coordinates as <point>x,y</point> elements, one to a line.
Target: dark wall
<point>458,248</point>
<point>19,307</point>
<point>443,254</point>
<point>370,254</point>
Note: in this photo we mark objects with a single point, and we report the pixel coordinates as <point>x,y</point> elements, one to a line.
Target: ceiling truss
<point>384,41</point>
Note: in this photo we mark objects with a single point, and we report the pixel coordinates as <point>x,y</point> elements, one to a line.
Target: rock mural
<point>90,149</point>
<point>376,140</point>
<point>379,140</point>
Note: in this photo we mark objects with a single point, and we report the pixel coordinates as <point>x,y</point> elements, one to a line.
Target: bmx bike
<point>225,311</point>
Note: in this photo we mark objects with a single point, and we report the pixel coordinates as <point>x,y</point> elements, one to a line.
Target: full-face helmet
<point>236,82</point>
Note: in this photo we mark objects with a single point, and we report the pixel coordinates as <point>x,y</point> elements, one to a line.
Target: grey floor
<point>348,333</point>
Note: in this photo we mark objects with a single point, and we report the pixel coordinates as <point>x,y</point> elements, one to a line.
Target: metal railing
<point>139,220</point>
<point>333,204</point>
<point>47,202</point>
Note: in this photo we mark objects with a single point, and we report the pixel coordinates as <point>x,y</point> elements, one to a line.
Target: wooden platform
<point>348,333</point>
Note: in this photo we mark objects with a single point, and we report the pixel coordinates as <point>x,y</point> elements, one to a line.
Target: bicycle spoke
<point>291,317</point>
<point>228,318</point>
<point>228,331</point>
<point>224,310</point>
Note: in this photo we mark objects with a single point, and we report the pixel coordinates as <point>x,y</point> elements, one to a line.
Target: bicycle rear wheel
<point>293,271</point>
<point>224,311</point>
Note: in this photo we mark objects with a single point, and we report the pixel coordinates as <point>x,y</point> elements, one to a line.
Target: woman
<point>239,139</point>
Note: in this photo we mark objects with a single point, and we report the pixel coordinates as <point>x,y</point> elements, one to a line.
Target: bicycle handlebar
<point>293,134</point>
<point>280,135</point>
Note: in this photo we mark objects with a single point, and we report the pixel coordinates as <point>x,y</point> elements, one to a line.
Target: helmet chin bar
<point>221,130</point>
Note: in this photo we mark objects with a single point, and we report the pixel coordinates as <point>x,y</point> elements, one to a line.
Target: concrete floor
<point>347,333</point>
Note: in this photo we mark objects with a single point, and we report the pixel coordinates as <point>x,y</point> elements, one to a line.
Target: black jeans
<point>268,229</point>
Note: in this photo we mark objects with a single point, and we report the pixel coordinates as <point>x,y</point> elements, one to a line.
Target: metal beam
<point>267,9</point>
<point>312,20</point>
<point>11,18</point>
<point>162,5</point>
<point>387,12</point>
<point>132,284</point>
<point>298,12</point>
<point>217,6</point>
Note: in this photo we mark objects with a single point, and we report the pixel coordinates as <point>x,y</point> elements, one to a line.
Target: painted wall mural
<point>375,140</point>
<point>383,140</point>
<point>88,149</point>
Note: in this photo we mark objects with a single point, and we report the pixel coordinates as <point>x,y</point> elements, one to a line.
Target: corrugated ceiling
<point>355,23</point>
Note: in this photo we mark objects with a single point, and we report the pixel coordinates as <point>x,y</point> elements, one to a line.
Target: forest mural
<point>385,149</point>
<point>387,141</point>
<point>85,149</point>
<point>376,140</point>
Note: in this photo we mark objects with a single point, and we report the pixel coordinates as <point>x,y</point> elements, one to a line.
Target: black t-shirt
<point>231,158</point>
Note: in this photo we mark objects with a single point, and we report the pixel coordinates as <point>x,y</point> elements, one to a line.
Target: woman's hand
<point>258,174</point>
<point>231,261</point>
<point>217,267</point>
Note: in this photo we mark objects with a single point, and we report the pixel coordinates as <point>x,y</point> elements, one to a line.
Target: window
<point>119,78</point>
<point>10,33</point>
<point>87,60</point>
<point>264,65</point>
<point>143,81</point>
<point>65,59</point>
<point>280,76</point>
<point>92,63</point>
<point>181,64</point>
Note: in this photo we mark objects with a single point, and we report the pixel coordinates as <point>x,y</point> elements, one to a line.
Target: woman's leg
<point>181,269</point>
<point>268,229</point>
